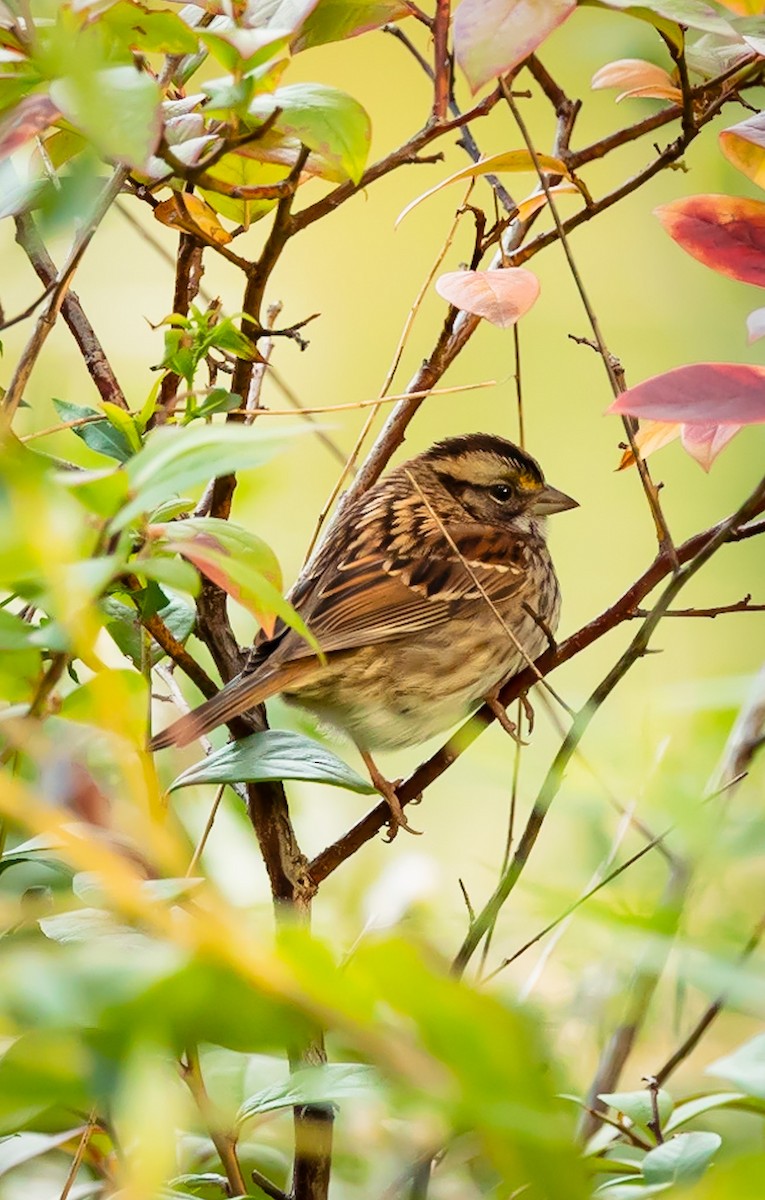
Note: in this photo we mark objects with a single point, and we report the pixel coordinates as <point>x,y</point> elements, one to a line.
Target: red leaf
<point>726,233</point>
<point>491,36</point>
<point>720,393</point>
<point>501,297</point>
<point>31,116</point>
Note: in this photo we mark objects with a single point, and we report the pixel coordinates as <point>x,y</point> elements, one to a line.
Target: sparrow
<point>433,588</point>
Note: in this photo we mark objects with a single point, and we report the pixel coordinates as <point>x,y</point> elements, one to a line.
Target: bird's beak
<point>550,500</point>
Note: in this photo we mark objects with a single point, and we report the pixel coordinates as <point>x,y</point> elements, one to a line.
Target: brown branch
<point>224,1142</point>
<point>442,66</point>
<point>740,606</point>
<point>332,857</point>
<point>397,158</point>
<point>47,319</point>
<point>188,276</point>
<point>82,331</point>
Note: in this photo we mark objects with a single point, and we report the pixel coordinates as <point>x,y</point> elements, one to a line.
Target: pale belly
<point>402,693</point>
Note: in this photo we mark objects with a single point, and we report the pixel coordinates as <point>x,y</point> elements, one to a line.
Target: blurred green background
<point>656,742</point>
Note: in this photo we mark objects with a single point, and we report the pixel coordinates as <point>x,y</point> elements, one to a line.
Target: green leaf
<point>101,492</point>
<point>683,1159</point>
<point>693,13</point>
<point>336,20</point>
<point>637,1105</point>
<point>152,32</point>
<point>123,422</point>
<point>22,1147</point>
<point>118,109</point>
<point>745,1067</point>
<point>326,1084</point>
<point>14,633</point>
<point>328,121</point>
<point>274,754</point>
<point>231,538</point>
<point>99,434</point>
<point>689,1109</point>
<point>243,171</point>
<point>173,460</point>
<point>171,571</point>
<point>124,626</point>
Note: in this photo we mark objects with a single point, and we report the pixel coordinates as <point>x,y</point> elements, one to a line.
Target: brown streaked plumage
<point>435,586</point>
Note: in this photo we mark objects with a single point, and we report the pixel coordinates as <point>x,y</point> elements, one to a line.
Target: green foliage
<point>273,754</point>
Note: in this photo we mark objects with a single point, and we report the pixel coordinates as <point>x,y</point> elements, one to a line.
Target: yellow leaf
<point>511,160</point>
<point>192,215</point>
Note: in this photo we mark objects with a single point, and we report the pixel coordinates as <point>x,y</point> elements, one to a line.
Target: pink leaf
<point>755,325</point>
<point>704,442</point>
<point>720,393</point>
<point>499,296</point>
<point>726,233</point>
<point>31,116</point>
<point>491,36</point>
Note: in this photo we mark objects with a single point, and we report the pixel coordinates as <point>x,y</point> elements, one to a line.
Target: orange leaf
<point>744,146</point>
<point>537,200</point>
<point>192,215</point>
<point>501,297</point>
<point>726,233</point>
<point>651,435</point>
<point>630,73</point>
<point>653,91</point>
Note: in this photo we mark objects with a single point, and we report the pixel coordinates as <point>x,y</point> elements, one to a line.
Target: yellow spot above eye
<point>527,482</point>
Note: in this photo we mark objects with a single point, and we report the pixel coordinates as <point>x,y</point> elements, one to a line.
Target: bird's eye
<point>500,492</point>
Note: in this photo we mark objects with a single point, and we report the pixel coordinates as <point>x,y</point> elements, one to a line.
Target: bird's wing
<point>364,600</point>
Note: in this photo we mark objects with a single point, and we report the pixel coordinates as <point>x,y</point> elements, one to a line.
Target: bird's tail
<point>242,693</point>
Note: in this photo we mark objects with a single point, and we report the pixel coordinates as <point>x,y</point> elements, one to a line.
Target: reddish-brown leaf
<point>717,393</point>
<point>501,297</point>
<point>192,215</point>
<point>31,116</point>
<point>726,233</point>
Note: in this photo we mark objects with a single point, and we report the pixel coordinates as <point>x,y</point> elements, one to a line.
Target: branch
<point>442,66</point>
<point>82,331</point>
<point>47,319</point>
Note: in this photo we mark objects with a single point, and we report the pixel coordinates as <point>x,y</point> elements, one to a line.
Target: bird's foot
<point>500,712</point>
<point>528,710</point>
<point>387,790</point>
